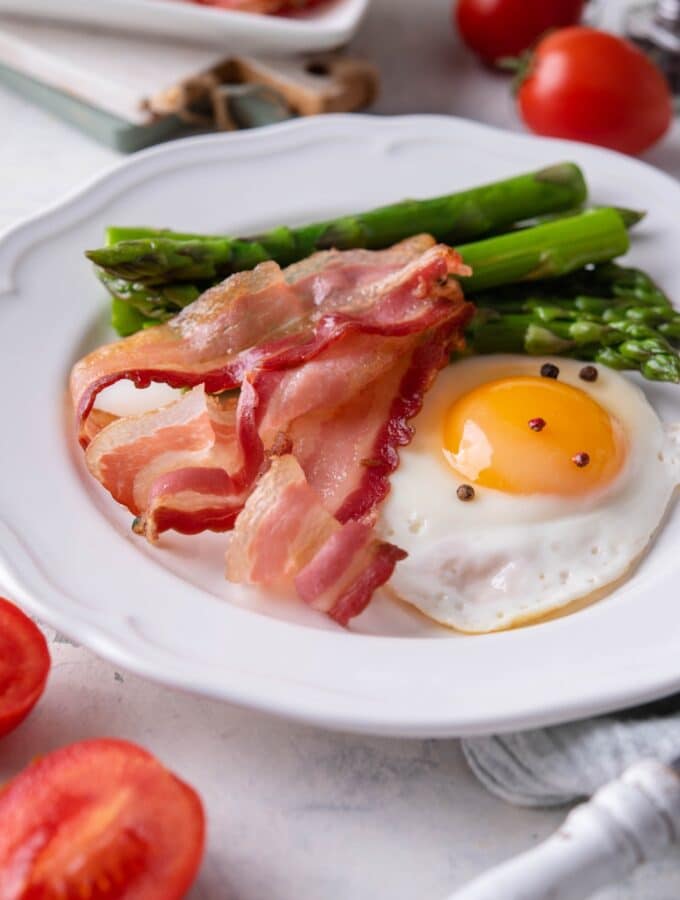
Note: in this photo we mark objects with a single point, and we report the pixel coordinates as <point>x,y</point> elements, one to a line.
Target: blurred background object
<point>655,27</point>
<point>150,90</point>
<point>495,29</point>
<point>589,85</point>
<point>323,26</point>
<point>574,81</point>
<point>155,86</point>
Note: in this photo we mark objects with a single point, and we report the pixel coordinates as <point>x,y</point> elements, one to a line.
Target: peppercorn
<point>581,459</point>
<point>465,492</point>
<point>537,424</point>
<point>549,370</point>
<point>588,373</point>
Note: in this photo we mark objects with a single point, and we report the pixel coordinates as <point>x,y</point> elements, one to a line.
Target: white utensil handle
<point>626,823</point>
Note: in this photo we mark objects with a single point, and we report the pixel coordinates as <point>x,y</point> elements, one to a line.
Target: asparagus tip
<point>630,217</point>
<point>94,256</point>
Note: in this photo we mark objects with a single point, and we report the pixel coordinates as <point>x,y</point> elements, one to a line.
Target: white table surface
<point>296,813</point>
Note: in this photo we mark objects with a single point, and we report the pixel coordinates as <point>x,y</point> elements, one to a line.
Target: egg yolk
<point>533,435</point>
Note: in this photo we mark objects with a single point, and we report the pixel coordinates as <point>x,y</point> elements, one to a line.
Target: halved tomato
<point>24,665</point>
<point>102,820</point>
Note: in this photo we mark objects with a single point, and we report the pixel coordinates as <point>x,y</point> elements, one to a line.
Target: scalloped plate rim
<point>302,702</point>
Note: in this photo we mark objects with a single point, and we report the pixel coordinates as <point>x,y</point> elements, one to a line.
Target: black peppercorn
<point>549,370</point>
<point>588,373</point>
<point>465,492</point>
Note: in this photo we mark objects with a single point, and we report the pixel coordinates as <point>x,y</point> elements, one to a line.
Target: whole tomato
<point>498,28</point>
<point>591,86</point>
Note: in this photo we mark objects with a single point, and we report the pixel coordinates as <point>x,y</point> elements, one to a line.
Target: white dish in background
<point>329,26</point>
<point>66,549</point>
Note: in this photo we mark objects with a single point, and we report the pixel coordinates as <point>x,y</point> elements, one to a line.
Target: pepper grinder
<point>628,822</point>
<point>655,28</point>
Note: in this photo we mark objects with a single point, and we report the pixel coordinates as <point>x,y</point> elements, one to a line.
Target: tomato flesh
<point>588,85</point>
<point>24,665</point>
<point>498,28</point>
<point>101,820</point>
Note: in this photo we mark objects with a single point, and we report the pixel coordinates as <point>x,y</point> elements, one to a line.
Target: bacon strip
<point>265,7</point>
<point>185,449</point>
<point>238,324</point>
<point>286,534</point>
<point>156,464</point>
<point>333,357</point>
<point>251,6</point>
<point>349,452</point>
<point>346,572</point>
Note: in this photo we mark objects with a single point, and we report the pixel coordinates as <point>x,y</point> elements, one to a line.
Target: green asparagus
<point>126,319</point>
<point>631,218</point>
<point>546,251</point>
<point>117,234</point>
<point>160,302</point>
<point>608,314</point>
<point>535,285</point>
<point>152,257</point>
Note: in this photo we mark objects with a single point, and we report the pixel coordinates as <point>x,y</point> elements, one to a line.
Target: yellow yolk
<point>488,439</point>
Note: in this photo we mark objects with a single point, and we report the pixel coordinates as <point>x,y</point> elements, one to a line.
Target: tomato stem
<point>519,66</point>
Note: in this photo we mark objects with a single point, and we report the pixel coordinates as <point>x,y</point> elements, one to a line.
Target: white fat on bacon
<point>327,362</point>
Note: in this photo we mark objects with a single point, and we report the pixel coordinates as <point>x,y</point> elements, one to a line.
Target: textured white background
<point>296,813</point>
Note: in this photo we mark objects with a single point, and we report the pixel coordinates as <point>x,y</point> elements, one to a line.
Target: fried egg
<point>522,493</point>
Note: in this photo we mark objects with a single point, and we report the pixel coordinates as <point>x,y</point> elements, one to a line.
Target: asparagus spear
<point>126,319</point>
<point>117,234</point>
<point>609,314</point>
<point>151,257</point>
<point>605,313</point>
<point>546,251</point>
<point>631,218</point>
<point>160,302</point>
<point>630,325</point>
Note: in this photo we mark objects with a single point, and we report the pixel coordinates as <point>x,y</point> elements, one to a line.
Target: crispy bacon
<point>296,386</point>
<point>238,324</point>
<point>347,570</point>
<point>332,357</point>
<point>252,6</point>
<point>96,421</point>
<point>285,533</point>
<point>185,449</point>
<point>266,7</point>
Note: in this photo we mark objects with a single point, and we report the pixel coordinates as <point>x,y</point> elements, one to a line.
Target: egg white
<point>506,559</point>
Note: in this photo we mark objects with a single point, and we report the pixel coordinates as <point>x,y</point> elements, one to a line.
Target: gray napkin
<point>552,766</point>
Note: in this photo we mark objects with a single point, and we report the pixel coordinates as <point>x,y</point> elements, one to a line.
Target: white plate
<point>329,26</point>
<point>67,552</point>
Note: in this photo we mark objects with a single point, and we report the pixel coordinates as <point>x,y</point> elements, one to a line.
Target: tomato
<point>498,28</point>
<point>24,665</point>
<point>592,86</point>
<point>101,820</point>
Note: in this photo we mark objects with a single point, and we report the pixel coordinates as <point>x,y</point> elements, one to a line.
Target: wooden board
<point>131,91</point>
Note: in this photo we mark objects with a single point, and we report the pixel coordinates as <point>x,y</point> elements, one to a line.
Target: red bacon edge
<point>347,563</point>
